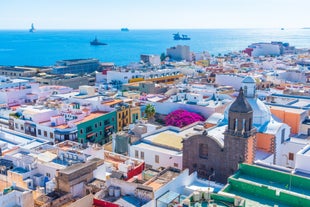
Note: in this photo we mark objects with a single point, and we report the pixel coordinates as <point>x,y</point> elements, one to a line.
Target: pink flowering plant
<point>181,118</point>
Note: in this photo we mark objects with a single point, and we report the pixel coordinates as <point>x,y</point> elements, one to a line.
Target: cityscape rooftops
<point>171,137</point>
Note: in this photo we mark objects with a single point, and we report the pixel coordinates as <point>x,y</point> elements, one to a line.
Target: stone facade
<point>213,159</point>
<point>73,178</point>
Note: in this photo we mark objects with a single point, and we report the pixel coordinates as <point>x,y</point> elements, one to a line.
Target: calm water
<point>46,47</point>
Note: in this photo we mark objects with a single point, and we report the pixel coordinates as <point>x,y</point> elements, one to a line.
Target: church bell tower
<point>239,140</point>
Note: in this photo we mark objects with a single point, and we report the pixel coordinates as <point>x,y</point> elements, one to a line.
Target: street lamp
<point>209,178</point>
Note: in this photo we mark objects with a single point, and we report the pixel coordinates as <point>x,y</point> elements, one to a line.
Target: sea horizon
<point>169,29</point>
<point>44,47</point>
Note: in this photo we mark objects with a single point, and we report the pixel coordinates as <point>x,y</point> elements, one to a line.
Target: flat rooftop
<point>262,186</point>
<point>162,179</point>
<point>291,110</point>
<point>91,116</point>
<point>171,138</point>
<point>147,146</point>
<point>76,167</point>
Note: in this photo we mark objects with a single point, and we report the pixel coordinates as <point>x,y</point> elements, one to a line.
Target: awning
<point>90,135</point>
<point>108,127</point>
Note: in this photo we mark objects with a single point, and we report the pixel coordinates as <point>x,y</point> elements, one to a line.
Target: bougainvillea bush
<point>181,118</point>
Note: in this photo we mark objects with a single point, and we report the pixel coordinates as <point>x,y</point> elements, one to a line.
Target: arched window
<point>203,151</point>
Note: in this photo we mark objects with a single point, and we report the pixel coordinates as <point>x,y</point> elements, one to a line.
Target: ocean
<point>45,47</point>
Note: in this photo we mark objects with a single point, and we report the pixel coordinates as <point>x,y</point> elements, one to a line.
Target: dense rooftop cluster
<point>190,129</point>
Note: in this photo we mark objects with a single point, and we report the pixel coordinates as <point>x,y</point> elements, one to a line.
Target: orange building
<point>265,142</point>
<point>291,116</point>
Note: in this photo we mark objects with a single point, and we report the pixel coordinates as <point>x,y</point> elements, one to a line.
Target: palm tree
<point>149,111</point>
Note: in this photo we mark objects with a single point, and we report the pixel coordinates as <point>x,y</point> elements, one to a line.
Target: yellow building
<point>123,116</point>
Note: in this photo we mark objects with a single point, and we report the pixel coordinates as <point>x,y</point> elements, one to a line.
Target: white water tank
<point>117,191</point>
<point>206,195</point>
<point>196,196</point>
<point>111,190</point>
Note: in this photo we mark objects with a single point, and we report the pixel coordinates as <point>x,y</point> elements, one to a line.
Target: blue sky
<point>151,14</point>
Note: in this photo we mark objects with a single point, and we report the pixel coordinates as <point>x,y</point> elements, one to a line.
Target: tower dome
<point>248,79</point>
<point>261,113</point>
<point>249,87</point>
<point>240,105</point>
<point>240,117</point>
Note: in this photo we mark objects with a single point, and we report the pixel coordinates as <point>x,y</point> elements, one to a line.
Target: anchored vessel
<point>177,36</point>
<point>97,42</point>
<point>32,29</point>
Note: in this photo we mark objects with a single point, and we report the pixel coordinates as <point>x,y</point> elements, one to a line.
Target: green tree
<point>149,111</point>
<point>162,56</point>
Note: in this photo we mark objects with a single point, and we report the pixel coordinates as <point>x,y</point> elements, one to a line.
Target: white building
<point>156,156</point>
<point>16,196</point>
<point>229,79</point>
<point>179,53</point>
<point>194,102</point>
<point>302,160</point>
<point>264,49</point>
<point>163,147</point>
<point>124,76</point>
<point>151,59</point>
<point>18,92</point>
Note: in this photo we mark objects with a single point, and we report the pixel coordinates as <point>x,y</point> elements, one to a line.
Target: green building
<point>256,186</point>
<point>97,127</point>
<point>261,186</point>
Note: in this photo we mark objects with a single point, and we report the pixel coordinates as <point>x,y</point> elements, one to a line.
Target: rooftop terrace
<point>261,186</point>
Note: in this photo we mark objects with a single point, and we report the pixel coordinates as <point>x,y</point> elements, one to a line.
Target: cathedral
<point>248,127</point>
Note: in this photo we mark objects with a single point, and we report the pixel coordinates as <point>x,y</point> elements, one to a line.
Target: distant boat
<point>282,28</point>
<point>32,29</point>
<point>96,42</point>
<point>177,36</point>
<point>125,29</point>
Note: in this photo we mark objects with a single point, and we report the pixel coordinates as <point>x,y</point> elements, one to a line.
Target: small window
<point>16,126</point>
<point>96,125</point>
<point>203,151</point>
<point>290,156</point>
<point>45,133</point>
<point>175,165</point>
<point>51,135</point>
<point>142,155</point>
<point>282,136</point>
<point>156,158</point>
<point>81,131</point>
<point>100,123</point>
<point>136,154</point>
